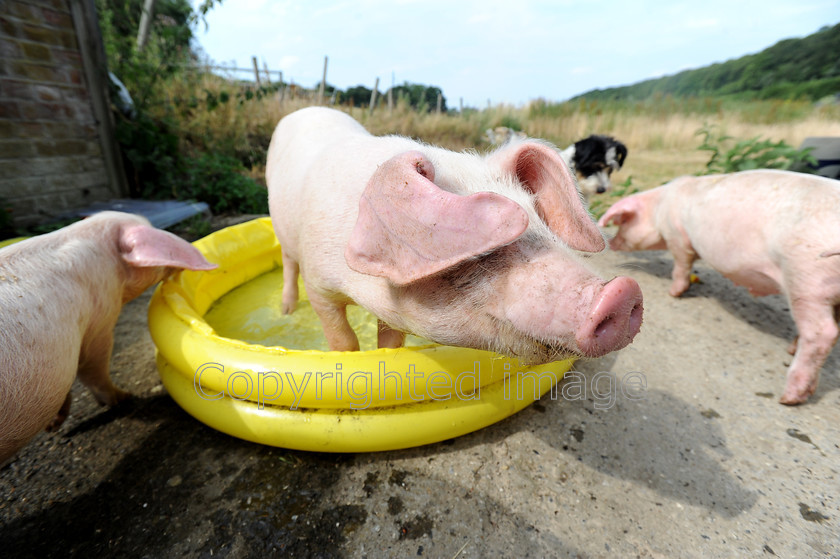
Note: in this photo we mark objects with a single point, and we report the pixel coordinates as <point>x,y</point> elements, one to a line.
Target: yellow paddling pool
<point>12,241</point>
<point>230,359</point>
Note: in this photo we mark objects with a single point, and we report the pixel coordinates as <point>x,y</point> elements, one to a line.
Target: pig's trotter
<point>817,334</point>
<point>62,414</point>
<point>678,287</point>
<point>799,387</point>
<point>388,337</point>
<point>680,275</point>
<point>290,284</point>
<point>107,394</point>
<point>94,371</point>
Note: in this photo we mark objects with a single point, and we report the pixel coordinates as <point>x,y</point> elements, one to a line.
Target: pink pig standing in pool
<point>60,297</point>
<point>770,231</point>
<point>465,250</point>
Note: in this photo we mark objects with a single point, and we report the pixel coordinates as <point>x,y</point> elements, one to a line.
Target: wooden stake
<point>373,96</point>
<point>267,75</point>
<point>322,89</point>
<point>256,70</point>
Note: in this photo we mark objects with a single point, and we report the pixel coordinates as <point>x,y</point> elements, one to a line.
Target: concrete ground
<point>707,464</point>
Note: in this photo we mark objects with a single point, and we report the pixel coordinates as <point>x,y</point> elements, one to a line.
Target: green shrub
<point>218,180</point>
<point>510,121</point>
<point>150,155</point>
<point>744,155</point>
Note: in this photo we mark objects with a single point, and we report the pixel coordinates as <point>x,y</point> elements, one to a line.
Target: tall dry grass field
<point>661,135</point>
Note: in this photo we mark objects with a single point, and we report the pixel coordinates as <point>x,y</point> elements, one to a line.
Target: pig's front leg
<point>388,337</point>
<point>817,334</point>
<point>340,336</point>
<point>791,348</point>
<point>94,369</point>
<point>681,274</point>
<point>290,284</point>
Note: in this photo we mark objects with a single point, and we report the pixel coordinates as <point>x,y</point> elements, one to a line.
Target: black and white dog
<point>593,160</point>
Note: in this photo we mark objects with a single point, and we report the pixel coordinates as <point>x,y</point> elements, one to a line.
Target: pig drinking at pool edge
<point>458,248</point>
<point>60,297</point>
<point>770,231</point>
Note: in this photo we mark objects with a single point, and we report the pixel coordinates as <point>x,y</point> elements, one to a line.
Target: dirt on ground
<point>706,464</point>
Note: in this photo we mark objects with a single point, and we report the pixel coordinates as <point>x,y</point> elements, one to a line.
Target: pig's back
<point>319,163</point>
<point>44,315</point>
<point>298,143</point>
<point>756,219</point>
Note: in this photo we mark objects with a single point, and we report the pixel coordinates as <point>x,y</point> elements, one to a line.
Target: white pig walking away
<point>770,231</point>
<point>461,249</point>
<point>60,297</point>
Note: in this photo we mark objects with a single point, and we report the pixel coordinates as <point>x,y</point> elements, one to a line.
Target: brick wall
<point>55,153</point>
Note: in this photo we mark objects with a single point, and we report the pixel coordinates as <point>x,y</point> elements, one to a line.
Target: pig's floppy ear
<point>144,246</point>
<point>408,228</point>
<point>619,212</point>
<point>543,172</point>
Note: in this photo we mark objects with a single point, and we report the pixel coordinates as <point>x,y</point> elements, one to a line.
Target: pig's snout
<point>614,319</point>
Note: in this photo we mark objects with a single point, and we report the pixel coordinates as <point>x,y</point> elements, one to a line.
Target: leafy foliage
<point>163,159</point>
<point>219,181</point>
<point>167,51</point>
<point>510,121</point>
<point>358,96</point>
<point>730,156</point>
<point>422,98</point>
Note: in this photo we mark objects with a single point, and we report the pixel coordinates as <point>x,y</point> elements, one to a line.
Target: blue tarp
<point>162,213</point>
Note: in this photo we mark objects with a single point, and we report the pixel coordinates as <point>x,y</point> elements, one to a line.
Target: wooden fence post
<point>439,102</point>
<point>322,89</point>
<point>373,96</point>
<point>267,75</point>
<point>282,87</point>
<point>256,70</point>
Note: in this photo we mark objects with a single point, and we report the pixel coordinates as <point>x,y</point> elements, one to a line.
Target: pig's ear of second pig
<point>542,171</point>
<point>145,247</point>
<point>619,212</point>
<point>409,228</point>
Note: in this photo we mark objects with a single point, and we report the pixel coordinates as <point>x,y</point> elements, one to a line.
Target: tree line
<point>807,68</point>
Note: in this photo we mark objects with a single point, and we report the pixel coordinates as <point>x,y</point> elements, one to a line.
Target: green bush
<point>510,121</point>
<point>150,156</point>
<point>744,155</point>
<point>218,180</point>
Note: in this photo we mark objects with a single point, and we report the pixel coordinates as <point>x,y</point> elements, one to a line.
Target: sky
<point>494,51</point>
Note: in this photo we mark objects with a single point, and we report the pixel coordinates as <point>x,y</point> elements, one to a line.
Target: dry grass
<point>661,137</point>
<point>676,131</point>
